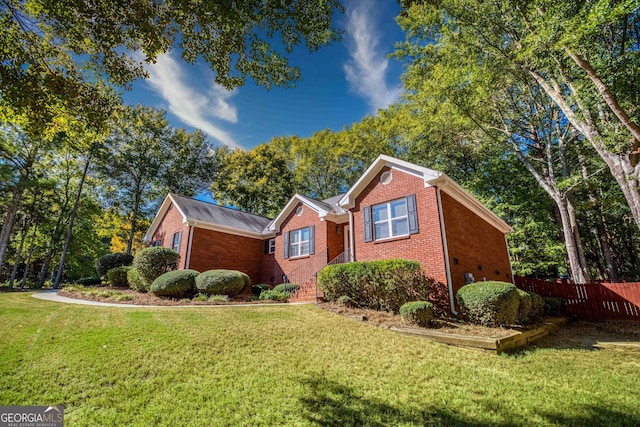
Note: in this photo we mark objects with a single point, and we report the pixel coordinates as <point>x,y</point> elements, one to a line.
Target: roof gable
<point>326,209</point>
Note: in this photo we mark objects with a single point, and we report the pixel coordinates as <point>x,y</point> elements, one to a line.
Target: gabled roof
<point>210,216</point>
<point>431,178</point>
<point>327,209</point>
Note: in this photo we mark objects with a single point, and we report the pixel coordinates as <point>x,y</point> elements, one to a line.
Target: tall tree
<point>583,55</point>
<point>144,158</point>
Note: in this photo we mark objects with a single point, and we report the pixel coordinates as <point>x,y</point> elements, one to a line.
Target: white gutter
<point>190,239</point>
<point>351,243</point>
<point>446,253</point>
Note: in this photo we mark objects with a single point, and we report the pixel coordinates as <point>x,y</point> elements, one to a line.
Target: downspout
<point>352,254</point>
<point>189,240</point>
<point>506,243</point>
<point>446,253</point>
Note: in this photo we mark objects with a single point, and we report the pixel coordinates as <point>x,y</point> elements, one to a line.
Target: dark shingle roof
<point>214,214</point>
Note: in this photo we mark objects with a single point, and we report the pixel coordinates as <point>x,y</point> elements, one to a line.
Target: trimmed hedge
<point>489,303</point>
<point>553,306</point>
<point>117,277</point>
<point>378,285</point>
<point>175,284</point>
<point>222,282</point>
<point>109,261</point>
<point>89,281</point>
<point>418,312</point>
<point>152,263</point>
<point>286,287</point>
<point>274,295</point>
<point>136,282</point>
<point>531,306</point>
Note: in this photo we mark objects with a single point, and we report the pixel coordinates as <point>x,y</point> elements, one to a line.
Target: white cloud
<point>190,104</point>
<point>366,70</point>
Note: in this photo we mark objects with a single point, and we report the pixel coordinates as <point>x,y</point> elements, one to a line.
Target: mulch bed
<point>150,299</point>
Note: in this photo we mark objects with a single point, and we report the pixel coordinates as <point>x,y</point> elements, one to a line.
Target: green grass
<point>289,365</point>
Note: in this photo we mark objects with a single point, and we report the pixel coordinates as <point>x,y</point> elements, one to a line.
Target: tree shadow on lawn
<point>328,403</point>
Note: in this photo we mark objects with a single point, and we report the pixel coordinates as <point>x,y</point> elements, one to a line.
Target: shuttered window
<point>301,242</point>
<point>175,241</point>
<point>391,219</point>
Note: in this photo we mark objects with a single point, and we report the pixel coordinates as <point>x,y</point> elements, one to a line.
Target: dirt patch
<point>590,335</point>
<point>389,320</point>
<point>138,298</point>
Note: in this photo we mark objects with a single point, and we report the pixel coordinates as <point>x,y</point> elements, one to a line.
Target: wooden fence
<point>592,301</point>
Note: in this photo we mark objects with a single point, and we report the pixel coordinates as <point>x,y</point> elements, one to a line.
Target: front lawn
<point>289,365</point>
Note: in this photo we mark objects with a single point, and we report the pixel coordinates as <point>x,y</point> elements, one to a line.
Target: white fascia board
<point>461,195</point>
<point>297,198</point>
<point>427,175</point>
<point>227,230</point>
<point>160,216</point>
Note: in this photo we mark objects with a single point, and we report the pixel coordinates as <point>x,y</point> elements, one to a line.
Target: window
<point>299,242</point>
<point>157,243</point>
<point>391,219</point>
<point>272,246</point>
<point>175,241</point>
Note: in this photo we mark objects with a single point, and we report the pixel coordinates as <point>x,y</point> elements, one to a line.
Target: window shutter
<point>368,230</point>
<point>266,246</point>
<point>412,214</point>
<point>286,244</point>
<point>312,239</point>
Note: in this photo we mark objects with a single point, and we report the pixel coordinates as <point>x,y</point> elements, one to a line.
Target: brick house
<point>395,210</point>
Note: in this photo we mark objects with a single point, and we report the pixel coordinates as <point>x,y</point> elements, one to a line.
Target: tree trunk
<point>29,256</point>
<point>576,269</point>
<point>584,268</point>
<point>72,218</point>
<point>14,270</point>
<point>9,221</point>
<point>134,216</point>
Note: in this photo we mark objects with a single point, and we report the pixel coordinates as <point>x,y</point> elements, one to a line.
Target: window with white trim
<point>175,241</point>
<point>391,219</point>
<point>272,246</point>
<point>299,242</point>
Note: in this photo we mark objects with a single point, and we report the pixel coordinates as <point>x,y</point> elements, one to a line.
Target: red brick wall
<point>294,222</point>
<point>172,223</point>
<point>266,269</point>
<point>473,243</point>
<point>335,241</point>
<point>425,246</point>
<point>213,249</point>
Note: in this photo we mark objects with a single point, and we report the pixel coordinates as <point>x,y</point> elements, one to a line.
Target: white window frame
<point>389,220</point>
<point>272,246</point>
<point>299,244</point>
<point>173,241</point>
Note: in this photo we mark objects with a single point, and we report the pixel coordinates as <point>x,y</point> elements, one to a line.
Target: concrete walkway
<point>52,295</point>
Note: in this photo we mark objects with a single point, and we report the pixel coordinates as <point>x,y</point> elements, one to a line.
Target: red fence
<point>592,301</point>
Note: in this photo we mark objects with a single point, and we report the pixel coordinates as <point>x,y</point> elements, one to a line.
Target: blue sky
<point>340,85</point>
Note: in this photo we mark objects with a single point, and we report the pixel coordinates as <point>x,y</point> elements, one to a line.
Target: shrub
<point>136,282</point>
<point>553,306</point>
<point>219,298</point>
<point>378,285</point>
<point>347,301</point>
<point>222,282</point>
<point>89,281</point>
<point>117,277</point>
<point>151,263</point>
<point>286,287</point>
<point>418,312</point>
<point>489,303</point>
<point>257,289</point>
<point>274,295</point>
<point>175,284</point>
<point>530,307</point>
<point>109,261</point>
